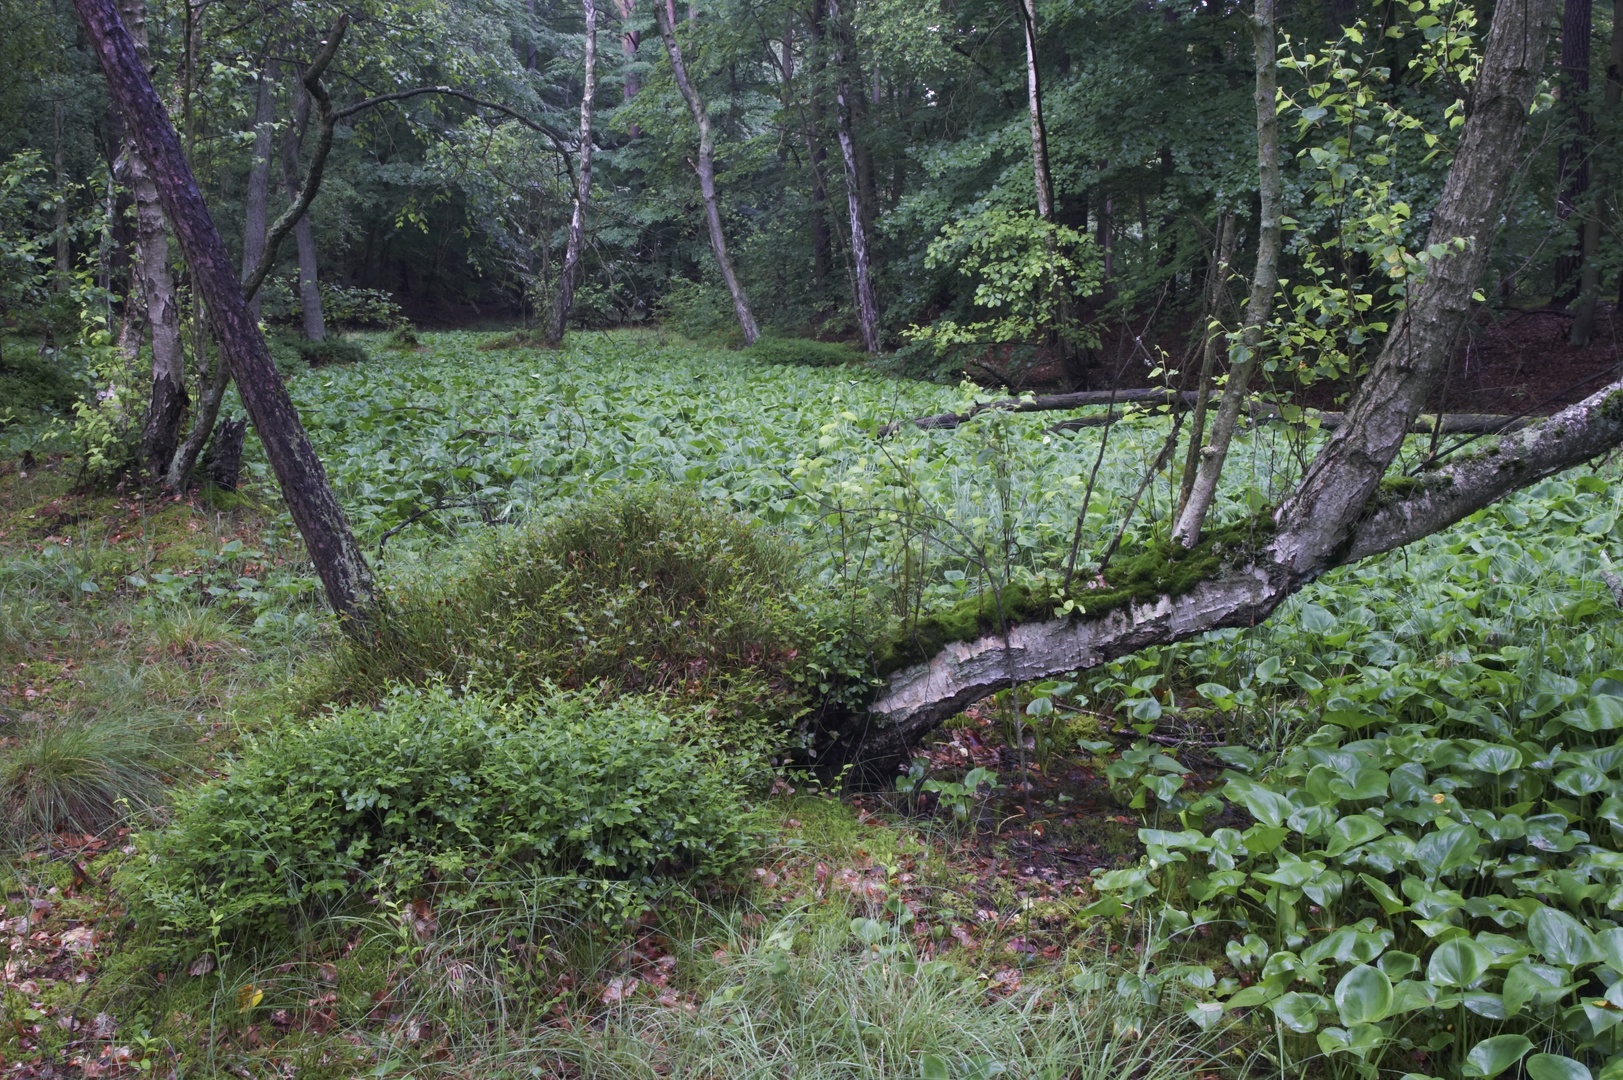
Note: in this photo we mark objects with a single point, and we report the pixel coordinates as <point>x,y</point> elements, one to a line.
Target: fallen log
<point>1427,424</point>
<point>1451,423</point>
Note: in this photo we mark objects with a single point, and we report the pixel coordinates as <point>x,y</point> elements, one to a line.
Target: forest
<point>839,539</point>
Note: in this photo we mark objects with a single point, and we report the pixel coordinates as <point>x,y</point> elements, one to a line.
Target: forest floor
<point>920,932</point>
<point>94,995</point>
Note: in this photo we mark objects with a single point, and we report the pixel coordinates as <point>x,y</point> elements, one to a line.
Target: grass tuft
<point>84,775</point>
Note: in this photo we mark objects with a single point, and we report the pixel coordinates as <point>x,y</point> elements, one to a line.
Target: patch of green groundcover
<point>436,792</point>
<point>655,589</point>
<point>30,382</point>
<point>807,352</point>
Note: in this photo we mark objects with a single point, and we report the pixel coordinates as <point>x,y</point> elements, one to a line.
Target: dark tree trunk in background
<point>583,184</point>
<point>315,323</point>
<point>1583,322</point>
<point>867,306</point>
<point>706,170</point>
<point>1264,281</point>
<point>309,497</point>
<point>258,199</point>
<point>1573,159</point>
<point>64,247</point>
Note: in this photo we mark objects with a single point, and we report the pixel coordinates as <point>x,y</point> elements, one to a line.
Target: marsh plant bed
<point>1377,834</point>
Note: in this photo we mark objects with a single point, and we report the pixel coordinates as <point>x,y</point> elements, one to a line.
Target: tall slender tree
<point>705,168</point>
<point>259,172</point>
<point>159,314</point>
<point>315,323</point>
<point>1577,19</point>
<point>844,107</point>
<point>565,298</point>
<point>1264,280</point>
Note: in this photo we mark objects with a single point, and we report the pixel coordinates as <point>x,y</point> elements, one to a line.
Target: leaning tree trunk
<point>315,324</point>
<point>258,200</point>
<point>1331,518</point>
<point>583,184</point>
<point>1263,281</point>
<point>706,169</point>
<point>160,433</point>
<point>867,306</point>
<point>310,500</point>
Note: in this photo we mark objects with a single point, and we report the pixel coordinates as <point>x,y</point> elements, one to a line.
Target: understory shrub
<point>431,792</point>
<point>654,589</point>
<point>804,351</point>
<point>30,383</point>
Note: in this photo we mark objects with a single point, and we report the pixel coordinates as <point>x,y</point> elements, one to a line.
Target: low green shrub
<point>804,351</point>
<point>285,354</point>
<point>654,589</point>
<point>294,355</point>
<point>403,339</point>
<point>30,383</point>
<point>331,351</point>
<point>518,339</point>
<point>430,791</point>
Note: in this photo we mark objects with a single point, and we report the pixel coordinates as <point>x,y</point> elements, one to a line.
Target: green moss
<point>1612,407</point>
<point>1395,489</point>
<point>1160,568</point>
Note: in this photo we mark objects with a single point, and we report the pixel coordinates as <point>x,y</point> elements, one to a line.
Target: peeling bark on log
<point>1338,513</point>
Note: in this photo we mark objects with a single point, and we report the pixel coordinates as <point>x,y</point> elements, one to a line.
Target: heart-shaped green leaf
<point>1497,760</point>
<point>1490,1057</point>
<point>1561,938</point>
<point>1299,1012</point>
<point>1349,832</point>
<point>1556,1067</point>
<point>1446,849</point>
<point>1458,962</point>
<point>1363,996</point>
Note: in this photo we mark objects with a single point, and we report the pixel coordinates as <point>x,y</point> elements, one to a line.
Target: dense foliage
<point>456,210</point>
<point>429,790</point>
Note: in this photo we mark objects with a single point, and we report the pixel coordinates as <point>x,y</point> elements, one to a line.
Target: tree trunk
<point>64,247</point>
<point>1034,105</point>
<point>309,497</point>
<point>1263,282</point>
<point>583,184</point>
<point>629,42</point>
<point>867,306</point>
<point>1330,519</point>
<point>156,284</point>
<point>706,170</point>
<point>1212,332</point>
<point>1583,322</point>
<point>315,323</point>
<point>1573,158</point>
<point>258,199</point>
